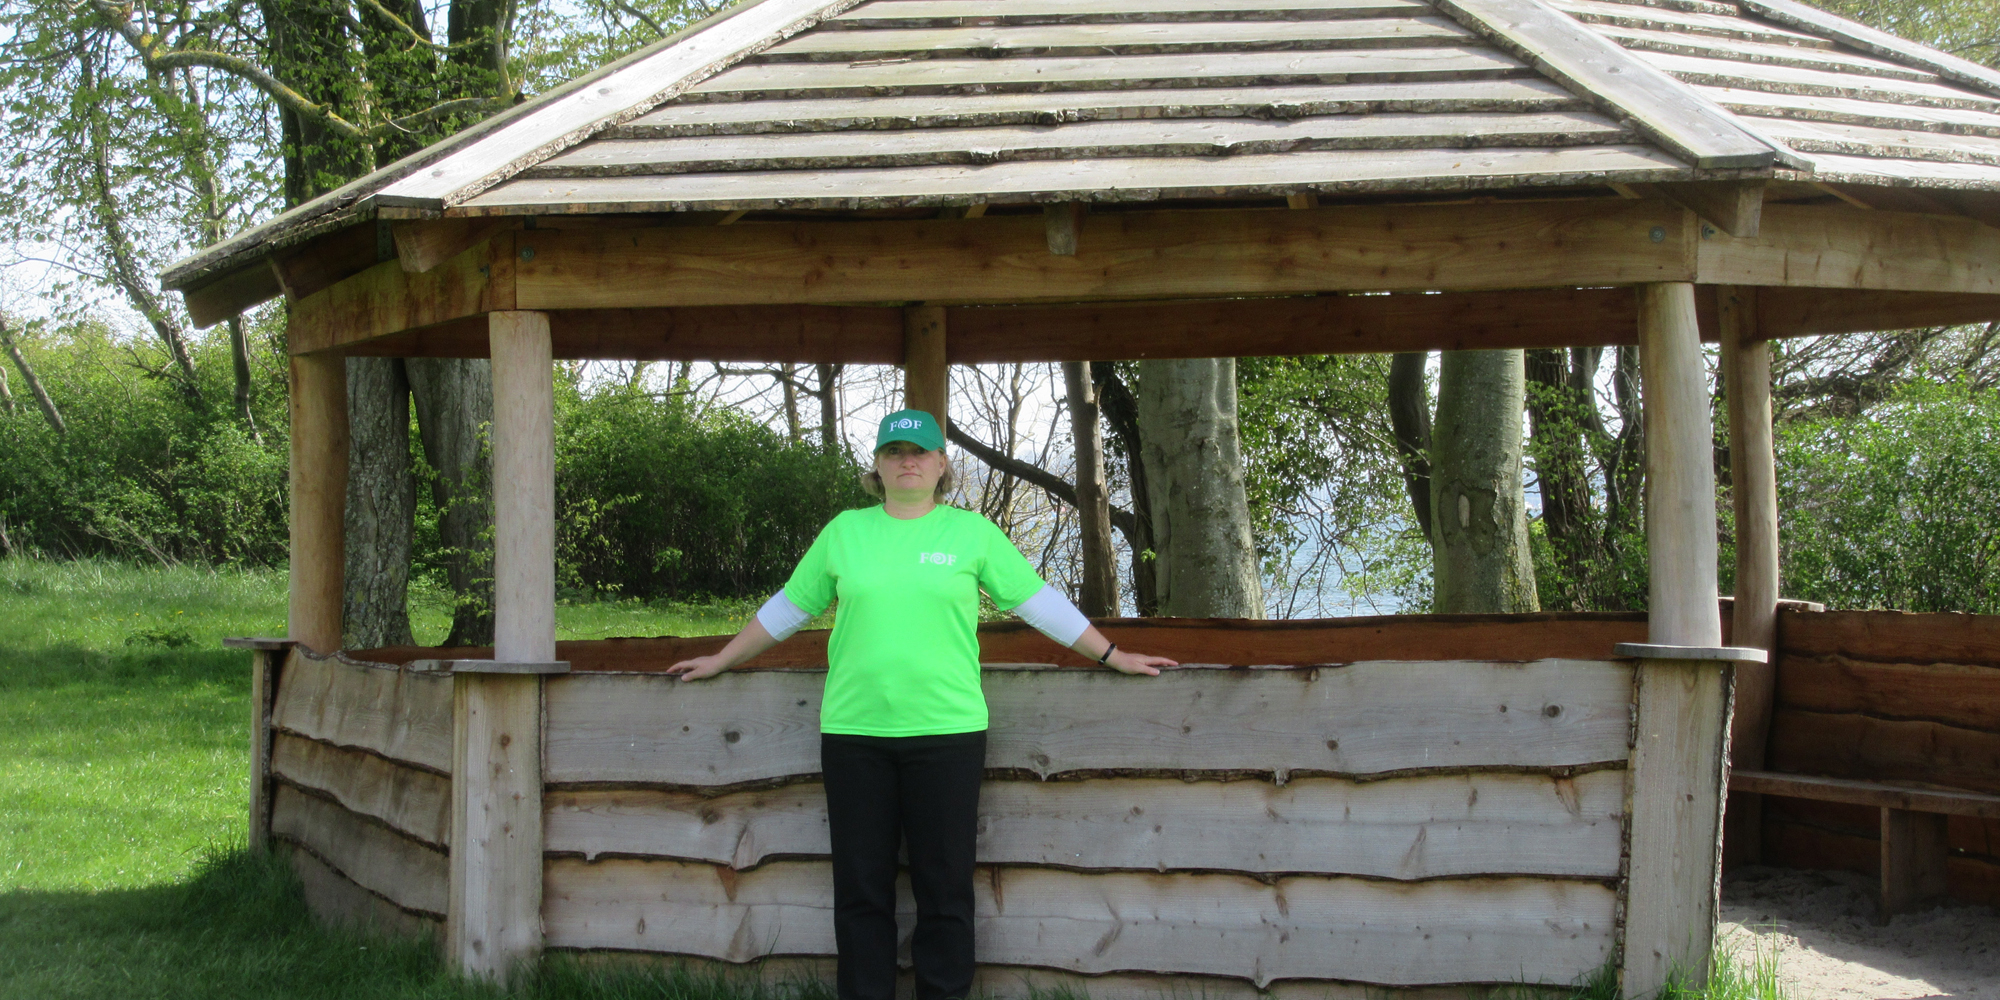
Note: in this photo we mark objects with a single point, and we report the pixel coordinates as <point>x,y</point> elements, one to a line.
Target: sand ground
<point>1830,948</point>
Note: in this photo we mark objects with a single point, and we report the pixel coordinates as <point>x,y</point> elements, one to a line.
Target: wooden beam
<point>386,299</point>
<point>1868,793</point>
<point>1130,255</point>
<point>319,445</point>
<point>1746,376</point>
<point>1735,207</point>
<point>926,375</point>
<point>325,261</point>
<point>1061,223</point>
<point>264,665</point>
<point>230,294</point>
<point>1599,70</point>
<point>422,246</point>
<point>1797,312</point>
<point>1806,246</point>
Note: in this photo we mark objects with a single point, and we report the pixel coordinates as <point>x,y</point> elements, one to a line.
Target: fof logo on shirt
<point>937,558</point>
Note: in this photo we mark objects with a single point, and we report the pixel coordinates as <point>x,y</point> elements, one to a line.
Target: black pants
<point>924,792</point>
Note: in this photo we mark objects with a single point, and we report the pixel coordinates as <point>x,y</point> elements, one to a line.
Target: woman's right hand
<point>699,668</point>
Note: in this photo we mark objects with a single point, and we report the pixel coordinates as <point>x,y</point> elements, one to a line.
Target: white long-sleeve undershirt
<point>1050,611</point>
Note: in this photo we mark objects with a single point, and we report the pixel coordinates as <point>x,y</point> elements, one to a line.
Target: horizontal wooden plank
<point>334,899</point>
<point>402,715</point>
<point>1951,694</point>
<point>1866,793</point>
<point>387,299</point>
<point>1846,111</point>
<point>1892,636</point>
<point>1526,96</point>
<point>1803,246</point>
<point>1841,169</point>
<point>417,803</point>
<point>1584,60</point>
<point>1523,637</point>
<point>1362,719</point>
<point>934,13</point>
<point>1815,83</point>
<point>1796,845</point>
<point>410,875</point>
<point>1206,69</point>
<point>1791,312</point>
<point>1863,140</point>
<point>801,333</point>
<point>229,294</point>
<point>1759,51</point>
<point>1871,749</point>
<point>1409,828</point>
<point>1302,927</point>
<point>1118,178</point>
<point>1180,137</point>
<point>1867,39</point>
<point>1632,15</point>
<point>1001,259</point>
<point>991,41</point>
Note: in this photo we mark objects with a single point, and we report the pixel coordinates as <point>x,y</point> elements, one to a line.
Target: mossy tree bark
<point>1205,559</point>
<point>1479,520</point>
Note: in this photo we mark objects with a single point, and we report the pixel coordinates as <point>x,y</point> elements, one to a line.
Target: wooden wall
<point>360,769</point>
<point>1388,823</point>
<point>1886,696</point>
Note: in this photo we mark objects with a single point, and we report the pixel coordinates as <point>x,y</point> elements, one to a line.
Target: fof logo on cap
<point>915,426</point>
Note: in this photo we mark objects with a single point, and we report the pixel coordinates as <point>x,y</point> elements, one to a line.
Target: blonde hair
<point>871,483</point>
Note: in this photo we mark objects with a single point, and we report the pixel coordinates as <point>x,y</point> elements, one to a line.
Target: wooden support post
<point>1914,849</point>
<point>1062,223</point>
<point>1678,764</point>
<point>494,918</point>
<point>319,499</point>
<point>1746,368</point>
<point>926,377</point>
<point>1097,594</point>
<point>267,658</point>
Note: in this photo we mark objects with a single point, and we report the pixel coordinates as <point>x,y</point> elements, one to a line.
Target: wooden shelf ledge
<point>1727,654</point>
<point>1867,793</point>
<point>489,667</point>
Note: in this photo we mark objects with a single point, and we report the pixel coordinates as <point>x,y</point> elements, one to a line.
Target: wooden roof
<point>811,104</point>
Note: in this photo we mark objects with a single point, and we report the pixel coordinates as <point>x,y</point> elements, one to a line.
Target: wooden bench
<point>1914,845</point>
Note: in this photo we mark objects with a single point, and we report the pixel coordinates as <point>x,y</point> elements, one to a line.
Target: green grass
<point>124,783</point>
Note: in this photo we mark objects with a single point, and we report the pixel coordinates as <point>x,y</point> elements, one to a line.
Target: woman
<point>903,720</point>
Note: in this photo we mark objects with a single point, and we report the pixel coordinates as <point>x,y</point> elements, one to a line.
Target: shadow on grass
<point>239,929</point>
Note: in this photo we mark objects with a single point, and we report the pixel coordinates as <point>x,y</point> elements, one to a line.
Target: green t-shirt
<point>904,656</point>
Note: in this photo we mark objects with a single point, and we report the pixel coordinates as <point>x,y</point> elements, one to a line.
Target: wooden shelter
<point>1418,803</point>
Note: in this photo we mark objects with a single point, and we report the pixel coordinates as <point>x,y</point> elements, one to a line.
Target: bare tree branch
<point>1052,484</point>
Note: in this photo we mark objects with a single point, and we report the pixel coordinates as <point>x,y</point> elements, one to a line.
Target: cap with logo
<point>915,426</point>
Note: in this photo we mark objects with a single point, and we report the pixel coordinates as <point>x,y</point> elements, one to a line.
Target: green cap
<point>915,426</point>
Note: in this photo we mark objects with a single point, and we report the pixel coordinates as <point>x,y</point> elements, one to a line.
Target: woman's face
<point>908,472</point>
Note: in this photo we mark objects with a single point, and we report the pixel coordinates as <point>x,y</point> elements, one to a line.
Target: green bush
<point>1895,508</point>
<point>653,500</point>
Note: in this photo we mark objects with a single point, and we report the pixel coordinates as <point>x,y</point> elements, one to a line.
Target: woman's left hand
<point>1138,663</point>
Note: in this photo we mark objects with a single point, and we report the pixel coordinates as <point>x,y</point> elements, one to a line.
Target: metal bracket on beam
<point>1726,654</point>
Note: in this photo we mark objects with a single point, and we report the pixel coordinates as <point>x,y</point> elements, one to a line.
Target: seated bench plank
<point>1867,793</point>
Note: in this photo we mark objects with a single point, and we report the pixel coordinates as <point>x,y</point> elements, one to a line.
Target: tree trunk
<point>6,396</point>
<point>788,380</point>
<point>1121,411</point>
<point>1624,462</point>
<point>48,406</point>
<point>1205,559</point>
<point>1479,540</point>
<point>454,400</point>
<point>1097,591</point>
<point>1410,421</point>
<point>829,405</point>
<point>1556,425</point>
<point>381,505</point>
<point>239,359</point>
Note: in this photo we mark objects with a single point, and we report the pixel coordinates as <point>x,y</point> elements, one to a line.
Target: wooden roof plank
<point>624,94</point>
<point>1895,144</point>
<point>941,13</point>
<point>1814,83</point>
<point>1687,124</point>
<point>1526,95</point>
<point>1090,73</point>
<point>1110,179</point>
<point>1687,44</point>
<point>1115,39</point>
<point>1882,43</point>
<point>1847,111</point>
<point>1841,168</point>
<point>1179,137</point>
<point>1631,15</point>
